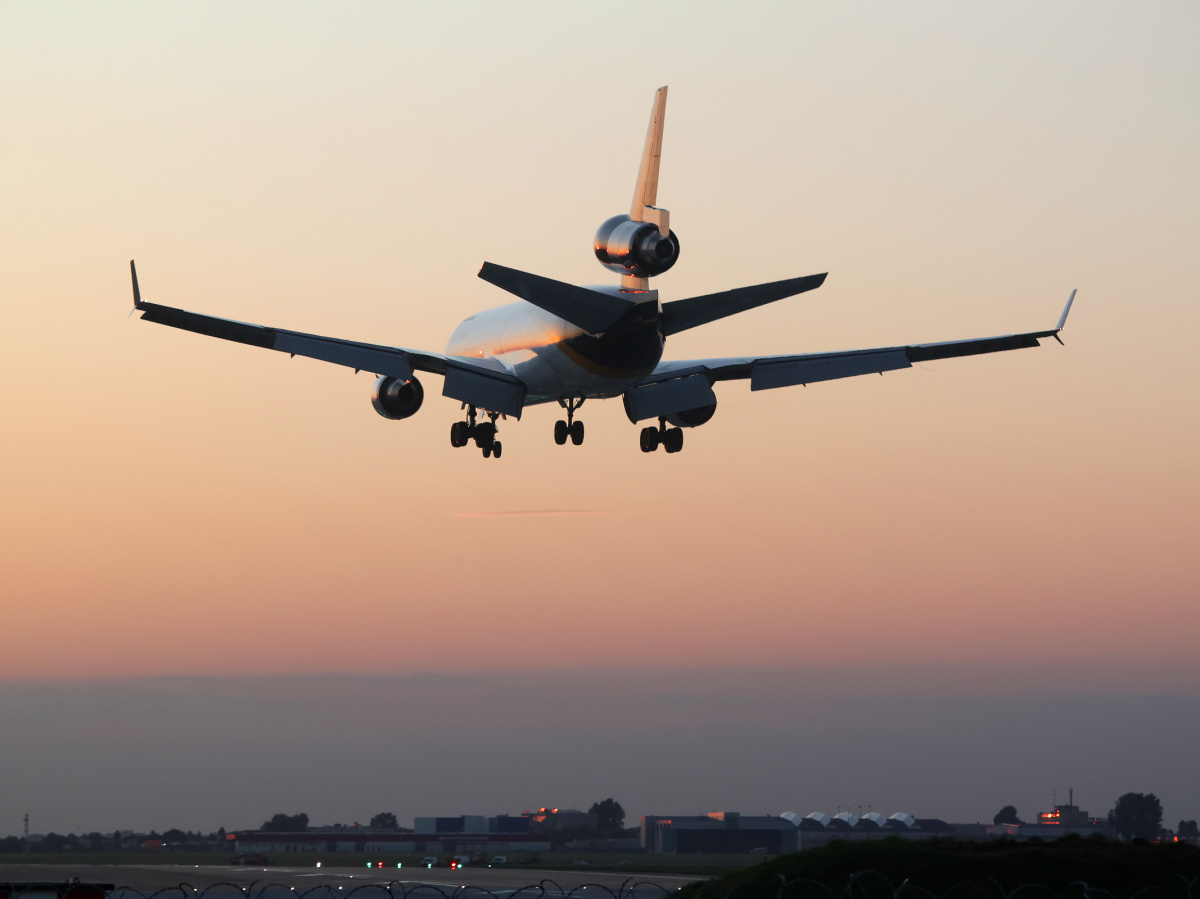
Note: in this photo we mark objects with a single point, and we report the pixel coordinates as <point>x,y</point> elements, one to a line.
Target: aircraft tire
<point>485,435</point>
<point>560,432</point>
<point>487,452</point>
<point>496,448</point>
<point>576,432</point>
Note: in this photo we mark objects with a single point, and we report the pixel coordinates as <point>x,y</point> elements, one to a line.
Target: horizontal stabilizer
<point>588,309</point>
<point>690,313</point>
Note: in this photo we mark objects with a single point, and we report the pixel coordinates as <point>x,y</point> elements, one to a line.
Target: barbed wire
<point>866,884</point>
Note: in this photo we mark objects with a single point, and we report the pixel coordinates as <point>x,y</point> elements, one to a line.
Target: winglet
<point>1062,319</point>
<point>645,195</point>
<point>137,294</point>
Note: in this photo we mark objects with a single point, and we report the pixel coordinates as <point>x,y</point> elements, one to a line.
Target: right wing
<point>475,378</point>
<point>685,384</point>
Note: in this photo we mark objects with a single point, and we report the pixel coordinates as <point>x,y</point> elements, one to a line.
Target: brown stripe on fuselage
<point>629,349</point>
<point>595,368</point>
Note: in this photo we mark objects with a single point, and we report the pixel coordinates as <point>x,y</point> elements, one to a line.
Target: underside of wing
<point>482,382</point>
<point>685,384</point>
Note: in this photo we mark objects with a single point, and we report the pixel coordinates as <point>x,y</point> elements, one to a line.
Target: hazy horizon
<point>201,753</point>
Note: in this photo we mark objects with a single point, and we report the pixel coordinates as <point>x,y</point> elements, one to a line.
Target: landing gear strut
<point>570,427</point>
<point>671,439</point>
<point>482,432</point>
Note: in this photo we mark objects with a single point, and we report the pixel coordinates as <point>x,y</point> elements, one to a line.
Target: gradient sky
<point>172,505</point>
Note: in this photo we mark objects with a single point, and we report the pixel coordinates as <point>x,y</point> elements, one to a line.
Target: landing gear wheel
<point>673,440</point>
<point>496,447</point>
<point>460,432</point>
<point>648,440</point>
<point>487,451</point>
<point>485,435</point>
<point>560,432</point>
<point>576,432</point>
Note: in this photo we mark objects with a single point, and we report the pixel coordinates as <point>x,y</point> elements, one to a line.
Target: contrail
<point>532,513</point>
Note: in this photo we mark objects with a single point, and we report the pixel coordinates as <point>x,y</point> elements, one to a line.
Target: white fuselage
<point>555,358</point>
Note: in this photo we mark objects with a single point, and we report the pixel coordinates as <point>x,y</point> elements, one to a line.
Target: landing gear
<point>671,439</point>
<point>570,427</point>
<point>483,433</point>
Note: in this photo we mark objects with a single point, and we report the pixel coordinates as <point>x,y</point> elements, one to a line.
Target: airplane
<point>560,343</point>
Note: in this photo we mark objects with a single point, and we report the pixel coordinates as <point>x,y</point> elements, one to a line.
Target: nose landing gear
<point>483,433</point>
<point>570,427</point>
<point>671,439</point>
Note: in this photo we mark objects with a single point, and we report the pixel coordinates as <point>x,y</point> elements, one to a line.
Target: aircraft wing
<point>483,382</point>
<point>685,384</point>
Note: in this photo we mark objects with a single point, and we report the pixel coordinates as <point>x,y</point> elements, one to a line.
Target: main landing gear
<point>671,439</point>
<point>483,433</point>
<point>570,427</point>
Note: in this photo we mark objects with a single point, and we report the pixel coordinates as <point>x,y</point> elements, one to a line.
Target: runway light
<point>318,864</point>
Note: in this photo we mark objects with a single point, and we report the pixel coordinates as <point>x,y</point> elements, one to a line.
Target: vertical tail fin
<point>646,193</point>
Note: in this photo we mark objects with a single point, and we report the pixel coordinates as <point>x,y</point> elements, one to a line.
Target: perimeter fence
<point>862,885</point>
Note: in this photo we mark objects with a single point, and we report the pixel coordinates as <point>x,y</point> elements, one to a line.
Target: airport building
<point>1063,820</point>
<point>474,824</point>
<point>455,843</point>
<point>729,832</point>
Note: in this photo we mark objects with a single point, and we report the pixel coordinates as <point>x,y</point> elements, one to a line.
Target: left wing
<point>483,382</point>
<point>689,381</point>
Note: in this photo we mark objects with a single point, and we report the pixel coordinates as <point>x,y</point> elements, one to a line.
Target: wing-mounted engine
<point>397,398</point>
<point>641,244</point>
<point>692,418</point>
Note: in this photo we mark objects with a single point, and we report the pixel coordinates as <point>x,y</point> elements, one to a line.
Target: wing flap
<point>484,389</point>
<point>352,355</point>
<point>766,374</point>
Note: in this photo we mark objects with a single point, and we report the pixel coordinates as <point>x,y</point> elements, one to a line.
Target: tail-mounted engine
<point>635,248</point>
<point>396,398</point>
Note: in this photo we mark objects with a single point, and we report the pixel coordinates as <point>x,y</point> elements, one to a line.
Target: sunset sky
<point>1017,533</point>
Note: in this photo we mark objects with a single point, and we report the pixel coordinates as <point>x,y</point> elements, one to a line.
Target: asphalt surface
<point>501,881</point>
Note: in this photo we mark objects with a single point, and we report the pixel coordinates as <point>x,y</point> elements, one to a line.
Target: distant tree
<point>175,835</point>
<point>1007,815</point>
<point>1188,830</point>
<point>116,839</point>
<point>385,820</point>
<point>610,817</point>
<point>221,835</point>
<point>1137,815</point>
<point>10,844</point>
<point>282,823</point>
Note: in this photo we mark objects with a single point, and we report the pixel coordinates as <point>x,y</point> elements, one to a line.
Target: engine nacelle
<point>396,398</point>
<point>692,418</point>
<point>635,248</point>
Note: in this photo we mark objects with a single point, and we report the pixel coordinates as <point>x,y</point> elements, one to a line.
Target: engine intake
<point>635,248</point>
<point>396,398</point>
